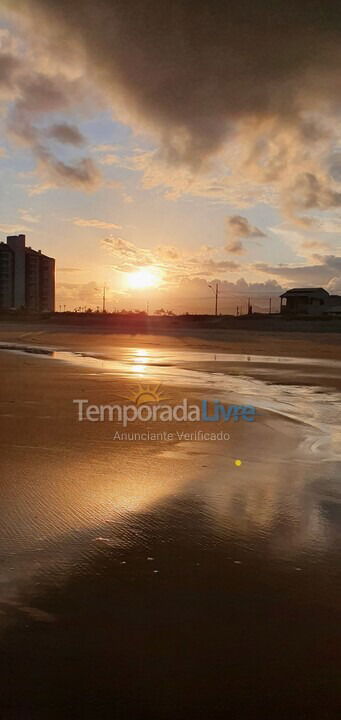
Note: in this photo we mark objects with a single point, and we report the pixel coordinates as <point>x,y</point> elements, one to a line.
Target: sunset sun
<point>144,278</point>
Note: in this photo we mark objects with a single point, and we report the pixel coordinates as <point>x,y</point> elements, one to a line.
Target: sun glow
<point>144,278</point>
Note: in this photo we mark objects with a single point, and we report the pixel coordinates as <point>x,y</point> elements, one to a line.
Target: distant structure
<point>27,277</point>
<point>310,301</point>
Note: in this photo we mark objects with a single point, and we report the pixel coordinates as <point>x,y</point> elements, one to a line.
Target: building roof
<point>305,291</point>
<point>6,248</point>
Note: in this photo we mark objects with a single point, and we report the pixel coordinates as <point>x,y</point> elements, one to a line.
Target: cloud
<point>316,245</point>
<point>27,216</point>
<point>67,134</point>
<point>325,270</point>
<point>335,166</point>
<point>195,295</point>
<point>309,192</point>
<point>127,256</point>
<point>302,244</point>
<point>189,295</point>
<point>13,229</point>
<point>211,267</point>
<point>330,225</point>
<point>212,183</point>
<point>193,72</point>
<point>173,264</point>
<point>82,173</point>
<point>165,252</point>
<point>105,148</point>
<point>40,188</point>
<point>100,224</point>
<point>238,228</point>
<point>334,286</point>
<point>35,95</point>
<point>8,69</point>
<point>111,159</point>
<point>74,295</point>
<point>241,100</point>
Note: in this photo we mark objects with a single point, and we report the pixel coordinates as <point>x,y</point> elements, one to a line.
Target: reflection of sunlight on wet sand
<point>141,353</point>
<point>272,505</point>
<point>52,525</point>
<point>140,358</point>
<point>139,370</point>
<point>84,493</point>
<point>309,402</point>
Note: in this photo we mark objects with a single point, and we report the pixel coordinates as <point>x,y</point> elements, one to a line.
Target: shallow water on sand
<point>304,390</point>
<point>164,581</point>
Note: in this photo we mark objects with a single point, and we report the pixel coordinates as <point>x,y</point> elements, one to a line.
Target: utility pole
<point>270,306</point>
<point>216,290</point>
<point>103,307</point>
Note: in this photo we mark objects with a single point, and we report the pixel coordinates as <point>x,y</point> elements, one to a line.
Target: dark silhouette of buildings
<point>27,277</point>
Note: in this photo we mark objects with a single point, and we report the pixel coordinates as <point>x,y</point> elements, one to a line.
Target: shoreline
<point>248,342</point>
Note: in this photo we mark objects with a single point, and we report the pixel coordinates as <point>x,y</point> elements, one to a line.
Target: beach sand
<point>158,578</point>
<point>245,341</point>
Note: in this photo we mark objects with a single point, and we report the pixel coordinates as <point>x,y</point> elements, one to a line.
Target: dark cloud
<point>82,173</point>
<point>193,69</point>
<point>239,228</point>
<point>335,166</point>
<point>65,133</point>
<point>36,96</point>
<point>8,67</point>
<point>42,93</point>
<point>235,247</point>
<point>309,192</point>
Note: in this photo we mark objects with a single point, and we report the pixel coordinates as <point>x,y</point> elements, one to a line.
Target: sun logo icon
<point>147,395</point>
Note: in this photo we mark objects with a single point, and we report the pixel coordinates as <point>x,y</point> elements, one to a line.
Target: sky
<point>157,148</point>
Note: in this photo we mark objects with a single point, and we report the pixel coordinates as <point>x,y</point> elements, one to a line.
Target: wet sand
<point>158,579</point>
<point>293,344</point>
